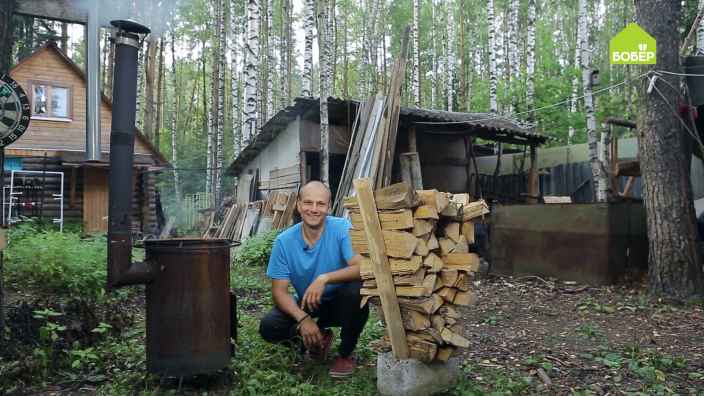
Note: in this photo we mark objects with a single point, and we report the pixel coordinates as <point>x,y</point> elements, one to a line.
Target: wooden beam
<point>382,269</point>
<point>59,10</point>
<point>410,170</point>
<point>533,181</point>
<point>412,145</point>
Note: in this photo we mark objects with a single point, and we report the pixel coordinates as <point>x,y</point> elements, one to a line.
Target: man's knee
<point>350,290</point>
<point>273,327</point>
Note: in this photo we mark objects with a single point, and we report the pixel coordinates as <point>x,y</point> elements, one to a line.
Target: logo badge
<point>632,46</point>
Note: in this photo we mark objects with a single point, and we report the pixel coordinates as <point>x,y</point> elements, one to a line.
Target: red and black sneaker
<point>321,352</point>
<point>343,367</point>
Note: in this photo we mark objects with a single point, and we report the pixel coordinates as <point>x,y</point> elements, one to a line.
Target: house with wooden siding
<point>54,144</point>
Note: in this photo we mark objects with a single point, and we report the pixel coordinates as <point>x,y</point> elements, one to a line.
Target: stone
<point>410,377</point>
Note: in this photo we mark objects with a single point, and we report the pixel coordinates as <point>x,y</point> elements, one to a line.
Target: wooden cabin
<point>55,142</point>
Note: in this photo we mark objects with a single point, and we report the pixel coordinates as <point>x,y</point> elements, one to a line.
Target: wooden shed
<point>54,146</point>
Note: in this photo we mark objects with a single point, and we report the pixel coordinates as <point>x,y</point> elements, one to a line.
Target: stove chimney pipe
<point>121,270</point>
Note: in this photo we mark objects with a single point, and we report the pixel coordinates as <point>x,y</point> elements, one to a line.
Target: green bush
<point>62,263</point>
<point>256,250</point>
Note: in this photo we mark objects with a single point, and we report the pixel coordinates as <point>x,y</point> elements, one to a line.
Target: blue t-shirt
<point>292,260</point>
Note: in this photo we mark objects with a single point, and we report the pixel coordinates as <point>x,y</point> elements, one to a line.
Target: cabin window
<point>51,101</point>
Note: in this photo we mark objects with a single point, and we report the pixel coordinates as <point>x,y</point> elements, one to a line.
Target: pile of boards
<point>242,220</point>
<point>427,235</point>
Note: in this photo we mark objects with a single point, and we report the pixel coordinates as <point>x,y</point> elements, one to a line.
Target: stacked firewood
<point>427,235</point>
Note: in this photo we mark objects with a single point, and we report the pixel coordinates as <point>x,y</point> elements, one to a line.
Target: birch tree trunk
<point>450,55</point>
<point>252,72</point>
<point>235,92</point>
<point>700,31</point>
<point>493,107</point>
<point>416,54</point>
<point>324,61</point>
<point>220,122</point>
<point>159,97</point>
<point>174,120</point>
<point>149,87</point>
<point>434,53</point>
<point>575,79</point>
<point>514,56</point>
<point>530,62</point>
<point>600,180</point>
<point>271,60</point>
<point>674,262</point>
<point>308,24</point>
<point>285,53</point>
<point>462,70</point>
<point>207,121</point>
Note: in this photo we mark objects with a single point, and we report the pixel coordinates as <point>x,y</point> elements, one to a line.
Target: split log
<point>462,199</point>
<point>401,291</point>
<point>427,305</point>
<point>464,298</point>
<point>423,351</point>
<point>474,210</point>
<point>438,284</point>
<point>453,338</point>
<point>398,266</point>
<point>463,282</point>
<point>414,320</point>
<point>422,248</point>
<point>438,322</point>
<point>452,231</point>
<point>425,212</point>
<point>453,211</point>
<point>434,198</point>
<point>449,277</point>
<point>398,244</point>
<point>447,294</point>
<point>461,246</point>
<point>423,227</point>
<point>433,242</point>
<point>429,283</point>
<point>448,311</point>
<point>416,279</point>
<point>446,246</point>
<point>401,219</point>
<point>467,262</point>
<point>444,353</point>
<point>433,262</point>
<point>468,231</point>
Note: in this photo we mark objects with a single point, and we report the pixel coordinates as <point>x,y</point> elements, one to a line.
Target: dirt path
<point>556,338</point>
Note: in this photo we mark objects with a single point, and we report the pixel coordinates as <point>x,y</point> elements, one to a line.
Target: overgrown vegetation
<point>255,251</point>
<point>56,262</point>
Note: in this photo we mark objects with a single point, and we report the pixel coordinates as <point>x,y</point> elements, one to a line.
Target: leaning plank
<point>382,268</point>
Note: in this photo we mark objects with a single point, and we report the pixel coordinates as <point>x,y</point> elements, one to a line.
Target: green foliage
<point>55,262</point>
<point>256,250</point>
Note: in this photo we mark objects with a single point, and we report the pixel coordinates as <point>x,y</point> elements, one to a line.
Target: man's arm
<point>284,301</point>
<point>314,293</point>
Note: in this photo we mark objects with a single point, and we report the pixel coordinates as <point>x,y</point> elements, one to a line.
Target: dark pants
<point>342,310</point>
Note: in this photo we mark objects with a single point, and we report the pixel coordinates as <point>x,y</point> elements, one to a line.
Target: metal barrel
<point>189,322</point>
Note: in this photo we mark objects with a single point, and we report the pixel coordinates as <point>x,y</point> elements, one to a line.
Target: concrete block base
<point>414,378</point>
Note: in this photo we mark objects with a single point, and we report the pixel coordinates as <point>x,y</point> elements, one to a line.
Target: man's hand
<point>309,330</point>
<point>314,293</point>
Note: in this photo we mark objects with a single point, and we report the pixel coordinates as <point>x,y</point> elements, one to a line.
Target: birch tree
<point>326,10</point>
<point>235,92</point>
<point>416,54</point>
<point>449,79</point>
<point>513,55</point>
<point>700,31</point>
<point>308,24</point>
<point>220,122</point>
<point>530,62</point>
<point>149,86</point>
<point>252,72</point>
<point>271,61</point>
<point>174,120</point>
<point>600,180</point>
<point>493,106</point>
<point>575,79</point>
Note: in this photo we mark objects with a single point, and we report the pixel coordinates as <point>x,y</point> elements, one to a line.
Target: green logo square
<point>632,46</point>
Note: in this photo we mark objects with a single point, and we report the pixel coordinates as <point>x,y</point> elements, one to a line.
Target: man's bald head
<point>314,187</point>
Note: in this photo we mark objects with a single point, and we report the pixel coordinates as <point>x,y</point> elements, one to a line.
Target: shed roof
<point>484,125</point>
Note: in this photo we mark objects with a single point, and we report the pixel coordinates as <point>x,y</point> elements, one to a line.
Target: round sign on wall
<point>14,110</point>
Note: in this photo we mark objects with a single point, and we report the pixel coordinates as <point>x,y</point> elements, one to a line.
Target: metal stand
<point>13,197</point>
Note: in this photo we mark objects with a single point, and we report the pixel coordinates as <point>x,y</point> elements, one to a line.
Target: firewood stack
<point>426,236</point>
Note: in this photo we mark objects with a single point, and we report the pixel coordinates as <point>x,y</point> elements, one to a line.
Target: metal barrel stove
<point>190,311</point>
<point>188,306</point>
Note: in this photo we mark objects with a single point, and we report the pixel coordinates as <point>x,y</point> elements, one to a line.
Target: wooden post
<point>533,181</point>
<point>410,170</point>
<point>382,268</point>
<point>412,145</point>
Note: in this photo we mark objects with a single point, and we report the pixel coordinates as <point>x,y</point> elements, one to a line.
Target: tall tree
<point>309,24</point>
<point>271,61</point>
<point>674,262</point>
<point>416,54</point>
<point>221,60</point>
<point>235,92</point>
<point>530,62</point>
<point>174,120</point>
<point>449,79</point>
<point>600,180</point>
<point>700,31</point>
<point>493,105</point>
<point>575,78</point>
<point>326,11</point>
<point>513,56</point>
<point>252,72</point>
<point>150,86</point>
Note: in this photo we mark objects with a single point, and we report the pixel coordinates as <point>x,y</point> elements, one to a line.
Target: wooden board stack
<point>427,236</point>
